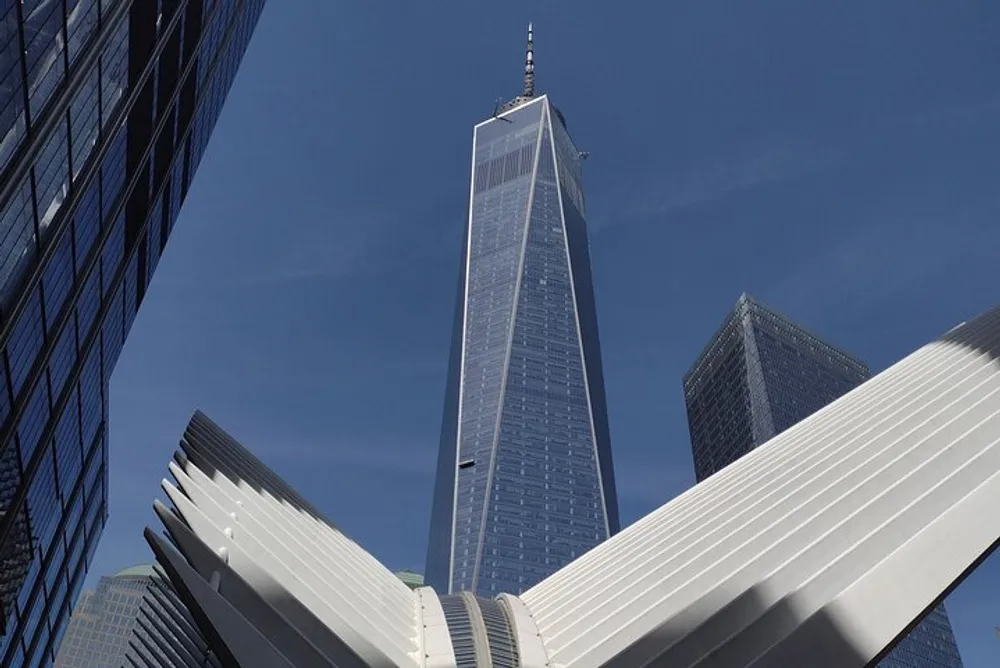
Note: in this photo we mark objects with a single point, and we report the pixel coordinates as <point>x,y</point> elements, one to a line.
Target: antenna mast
<point>529,65</point>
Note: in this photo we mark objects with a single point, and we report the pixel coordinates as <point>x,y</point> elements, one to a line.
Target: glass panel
<point>58,279</point>
<point>17,240</point>
<point>114,71</point>
<point>62,360</point>
<point>69,454</point>
<point>25,341</point>
<point>33,421</point>
<point>113,254</point>
<point>11,85</point>
<point>113,334</point>
<point>113,174</point>
<point>81,22</point>
<point>44,40</point>
<point>88,222</point>
<point>83,119</point>
<point>52,177</point>
<point>32,573</point>
<point>87,306</point>
<point>131,289</point>
<point>90,395</point>
<point>44,509</point>
<point>5,401</point>
<point>155,232</point>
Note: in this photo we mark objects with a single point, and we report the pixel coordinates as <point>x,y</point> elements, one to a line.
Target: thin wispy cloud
<point>766,161</point>
<point>895,248</point>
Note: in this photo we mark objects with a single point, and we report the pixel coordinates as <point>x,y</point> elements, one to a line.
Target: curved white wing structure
<point>820,548</point>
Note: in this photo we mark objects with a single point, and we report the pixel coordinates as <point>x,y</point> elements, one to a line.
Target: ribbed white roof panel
<point>804,523</point>
<point>818,548</point>
<point>271,536</point>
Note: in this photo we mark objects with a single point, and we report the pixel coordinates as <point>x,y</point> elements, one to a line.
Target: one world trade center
<point>525,482</point>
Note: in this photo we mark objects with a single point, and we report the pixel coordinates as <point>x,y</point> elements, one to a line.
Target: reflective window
<point>44,41</point>
<point>113,174</point>
<point>88,222</point>
<point>155,232</point>
<point>87,306</point>
<point>113,254</point>
<point>69,453</point>
<point>11,85</point>
<point>4,397</point>
<point>62,584</point>
<point>79,576</point>
<point>52,177</point>
<point>17,239</point>
<point>176,188</point>
<point>81,24</point>
<point>90,396</point>
<point>62,360</point>
<point>113,334</point>
<point>33,421</point>
<point>131,288</point>
<point>30,625</point>
<point>25,341</point>
<point>114,71</point>
<point>58,278</point>
<point>43,502</point>
<point>34,570</point>
<point>79,538</point>
<point>83,121</point>
<point>39,643</point>
<point>55,565</point>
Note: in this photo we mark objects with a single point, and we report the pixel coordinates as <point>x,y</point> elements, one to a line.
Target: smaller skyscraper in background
<point>133,618</point>
<point>760,374</point>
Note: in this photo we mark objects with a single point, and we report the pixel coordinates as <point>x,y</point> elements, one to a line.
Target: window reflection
<point>17,239</point>
<point>114,71</point>
<point>52,177</point>
<point>12,128</point>
<point>83,120</point>
<point>44,43</point>
<point>81,24</point>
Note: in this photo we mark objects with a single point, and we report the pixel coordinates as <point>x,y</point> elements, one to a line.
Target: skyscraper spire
<point>529,66</point>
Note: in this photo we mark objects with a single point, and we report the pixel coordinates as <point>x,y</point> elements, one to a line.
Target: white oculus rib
<point>821,548</point>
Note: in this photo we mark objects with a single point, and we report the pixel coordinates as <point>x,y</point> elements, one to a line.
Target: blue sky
<point>836,160</point>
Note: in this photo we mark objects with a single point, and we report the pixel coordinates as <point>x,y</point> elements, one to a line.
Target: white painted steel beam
<point>818,548</point>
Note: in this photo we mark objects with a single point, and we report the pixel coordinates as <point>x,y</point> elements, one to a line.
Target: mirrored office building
<point>105,110</point>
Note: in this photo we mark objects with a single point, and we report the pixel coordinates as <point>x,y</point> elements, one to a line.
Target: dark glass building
<point>105,110</point>
<point>759,375</point>
<point>133,618</point>
<point>525,482</point>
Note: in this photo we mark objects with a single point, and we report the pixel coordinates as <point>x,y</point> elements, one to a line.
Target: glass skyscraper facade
<point>525,481</point>
<point>760,374</point>
<point>133,618</point>
<point>105,110</point>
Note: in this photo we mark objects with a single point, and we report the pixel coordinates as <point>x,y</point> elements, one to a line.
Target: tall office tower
<point>525,481</point>
<point>133,618</point>
<point>759,375</point>
<point>105,110</point>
